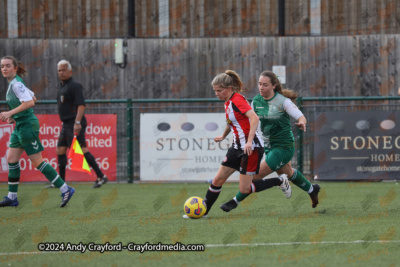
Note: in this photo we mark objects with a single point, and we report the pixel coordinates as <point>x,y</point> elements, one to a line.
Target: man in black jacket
<point>71,108</point>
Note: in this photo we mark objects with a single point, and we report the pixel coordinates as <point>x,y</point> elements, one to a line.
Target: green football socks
<point>240,197</point>
<point>14,173</point>
<point>51,174</point>
<point>301,181</point>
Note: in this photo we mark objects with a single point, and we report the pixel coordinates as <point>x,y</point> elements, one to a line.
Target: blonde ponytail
<point>228,79</point>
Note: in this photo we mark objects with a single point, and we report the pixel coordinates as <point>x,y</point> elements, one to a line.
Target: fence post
<point>129,140</point>
<point>300,140</point>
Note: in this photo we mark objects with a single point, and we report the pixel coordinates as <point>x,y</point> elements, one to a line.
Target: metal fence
<point>128,122</point>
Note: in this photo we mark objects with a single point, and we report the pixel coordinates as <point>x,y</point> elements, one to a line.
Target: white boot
<point>285,186</point>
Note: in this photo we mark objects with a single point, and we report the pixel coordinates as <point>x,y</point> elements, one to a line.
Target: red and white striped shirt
<point>235,108</point>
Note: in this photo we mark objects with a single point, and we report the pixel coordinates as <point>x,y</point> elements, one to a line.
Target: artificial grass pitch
<point>354,224</point>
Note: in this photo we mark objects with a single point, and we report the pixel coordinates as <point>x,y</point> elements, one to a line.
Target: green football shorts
<point>277,157</point>
<point>26,135</point>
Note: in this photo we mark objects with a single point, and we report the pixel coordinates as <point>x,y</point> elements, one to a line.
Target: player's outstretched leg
<point>256,186</point>
<point>301,181</point>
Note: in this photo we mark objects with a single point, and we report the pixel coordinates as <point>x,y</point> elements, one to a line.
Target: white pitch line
<point>303,243</point>
<point>233,245</point>
<point>31,253</point>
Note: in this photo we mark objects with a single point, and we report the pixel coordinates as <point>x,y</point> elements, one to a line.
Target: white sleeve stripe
<point>292,109</point>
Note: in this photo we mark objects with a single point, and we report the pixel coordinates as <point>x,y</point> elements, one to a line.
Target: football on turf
<point>195,207</point>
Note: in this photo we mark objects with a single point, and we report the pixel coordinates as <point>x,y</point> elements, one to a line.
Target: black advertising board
<point>356,146</point>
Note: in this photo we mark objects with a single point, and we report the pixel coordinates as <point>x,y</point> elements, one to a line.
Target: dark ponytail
<point>278,87</point>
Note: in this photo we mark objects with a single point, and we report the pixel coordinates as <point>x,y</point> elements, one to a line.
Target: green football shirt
<point>17,92</point>
<point>274,120</point>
